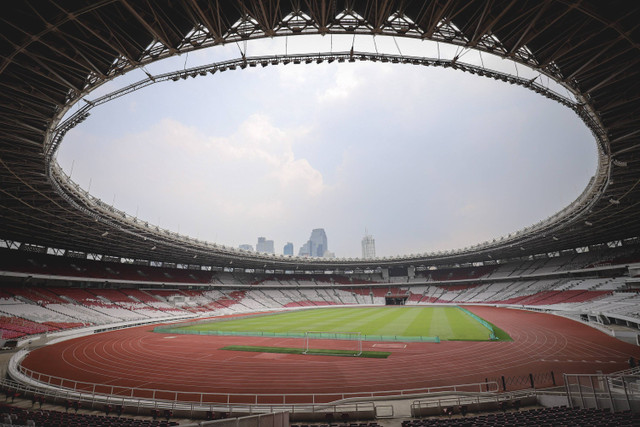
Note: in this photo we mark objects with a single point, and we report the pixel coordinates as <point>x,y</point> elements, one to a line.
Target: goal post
<point>310,336</point>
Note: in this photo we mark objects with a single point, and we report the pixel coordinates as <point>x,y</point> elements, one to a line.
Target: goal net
<point>353,348</point>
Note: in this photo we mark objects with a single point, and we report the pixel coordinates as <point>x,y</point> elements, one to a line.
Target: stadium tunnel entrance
<point>395,299</point>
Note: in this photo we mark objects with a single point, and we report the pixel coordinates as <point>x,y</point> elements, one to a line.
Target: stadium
<point>104,312</point>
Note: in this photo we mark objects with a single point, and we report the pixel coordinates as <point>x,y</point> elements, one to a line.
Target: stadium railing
<point>616,392</point>
<point>363,410</point>
<point>44,384</point>
<point>474,402</point>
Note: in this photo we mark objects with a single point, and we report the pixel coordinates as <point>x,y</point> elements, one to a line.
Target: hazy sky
<point>425,159</point>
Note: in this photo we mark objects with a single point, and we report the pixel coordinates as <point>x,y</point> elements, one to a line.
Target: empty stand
<point>11,415</point>
<point>557,416</point>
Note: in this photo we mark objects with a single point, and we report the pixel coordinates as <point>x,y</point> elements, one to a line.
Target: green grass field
<point>394,323</point>
<point>310,352</point>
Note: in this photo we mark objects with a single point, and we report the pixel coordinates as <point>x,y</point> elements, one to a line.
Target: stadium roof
<point>55,52</point>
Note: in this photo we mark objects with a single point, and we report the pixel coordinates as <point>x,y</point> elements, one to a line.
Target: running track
<point>139,358</point>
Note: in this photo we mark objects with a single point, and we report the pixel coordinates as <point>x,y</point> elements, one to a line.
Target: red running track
<point>139,358</point>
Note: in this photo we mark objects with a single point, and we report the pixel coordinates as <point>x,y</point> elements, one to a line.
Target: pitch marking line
<point>390,345</point>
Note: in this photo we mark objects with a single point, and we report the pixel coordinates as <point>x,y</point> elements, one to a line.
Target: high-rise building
<point>320,243</point>
<point>265,246</point>
<point>317,245</point>
<point>368,246</point>
<point>246,247</point>
<point>288,249</point>
<point>304,250</point>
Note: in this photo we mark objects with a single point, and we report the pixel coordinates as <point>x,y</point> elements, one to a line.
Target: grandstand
<point>70,265</point>
<point>583,290</point>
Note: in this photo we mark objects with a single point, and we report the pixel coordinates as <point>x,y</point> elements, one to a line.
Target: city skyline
<point>316,246</point>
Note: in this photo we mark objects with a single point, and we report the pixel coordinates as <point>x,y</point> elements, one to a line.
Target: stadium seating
<point>33,312</point>
<point>520,283</point>
<point>11,415</point>
<point>10,334</point>
<point>556,416</point>
<point>24,327</point>
<point>51,265</point>
<point>53,308</point>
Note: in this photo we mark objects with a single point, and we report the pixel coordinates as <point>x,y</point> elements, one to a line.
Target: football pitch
<point>432,323</point>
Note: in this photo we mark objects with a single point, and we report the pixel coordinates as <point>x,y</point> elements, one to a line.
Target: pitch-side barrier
<point>303,335</point>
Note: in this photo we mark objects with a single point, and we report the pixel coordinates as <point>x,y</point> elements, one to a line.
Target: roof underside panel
<point>53,53</point>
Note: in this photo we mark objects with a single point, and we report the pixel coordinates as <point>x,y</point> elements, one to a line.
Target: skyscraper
<point>317,245</point>
<point>304,250</point>
<point>288,249</point>
<point>319,242</point>
<point>368,246</point>
<point>246,247</point>
<point>265,246</point>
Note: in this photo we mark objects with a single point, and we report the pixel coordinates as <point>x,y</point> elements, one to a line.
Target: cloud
<point>346,81</point>
<point>259,148</point>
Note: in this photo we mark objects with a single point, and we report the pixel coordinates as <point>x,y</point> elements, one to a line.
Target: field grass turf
<point>312,352</point>
<point>446,322</point>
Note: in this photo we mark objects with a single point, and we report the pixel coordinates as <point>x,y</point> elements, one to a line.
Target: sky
<point>425,159</point>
